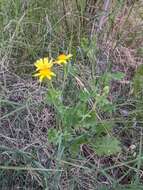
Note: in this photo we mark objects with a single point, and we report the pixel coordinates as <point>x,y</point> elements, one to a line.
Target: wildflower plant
<point>79,123</point>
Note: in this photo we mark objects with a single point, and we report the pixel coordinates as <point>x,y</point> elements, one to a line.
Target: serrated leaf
<point>106,146</point>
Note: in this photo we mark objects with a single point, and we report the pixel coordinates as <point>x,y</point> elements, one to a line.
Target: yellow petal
<point>43,63</point>
<point>46,59</point>
<point>41,78</point>
<point>50,64</point>
<point>36,74</point>
<point>49,77</point>
<point>53,74</point>
<point>61,57</point>
<point>39,64</point>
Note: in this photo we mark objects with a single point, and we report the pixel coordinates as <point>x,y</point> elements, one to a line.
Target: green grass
<point>29,158</point>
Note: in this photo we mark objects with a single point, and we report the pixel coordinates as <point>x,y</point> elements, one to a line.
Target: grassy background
<point>30,29</point>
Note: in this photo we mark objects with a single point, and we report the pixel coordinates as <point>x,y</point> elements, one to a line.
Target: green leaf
<point>106,90</point>
<point>106,146</point>
<point>118,75</point>
<point>75,146</point>
<point>69,117</point>
<point>53,135</point>
<point>104,128</point>
<point>84,96</point>
<point>90,121</point>
<point>107,77</point>
<point>54,96</point>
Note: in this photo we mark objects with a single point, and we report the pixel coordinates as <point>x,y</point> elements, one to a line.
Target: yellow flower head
<point>43,64</point>
<point>63,59</point>
<point>44,69</point>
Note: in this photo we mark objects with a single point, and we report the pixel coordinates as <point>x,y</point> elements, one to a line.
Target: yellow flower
<point>44,69</point>
<point>43,64</point>
<point>63,59</point>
